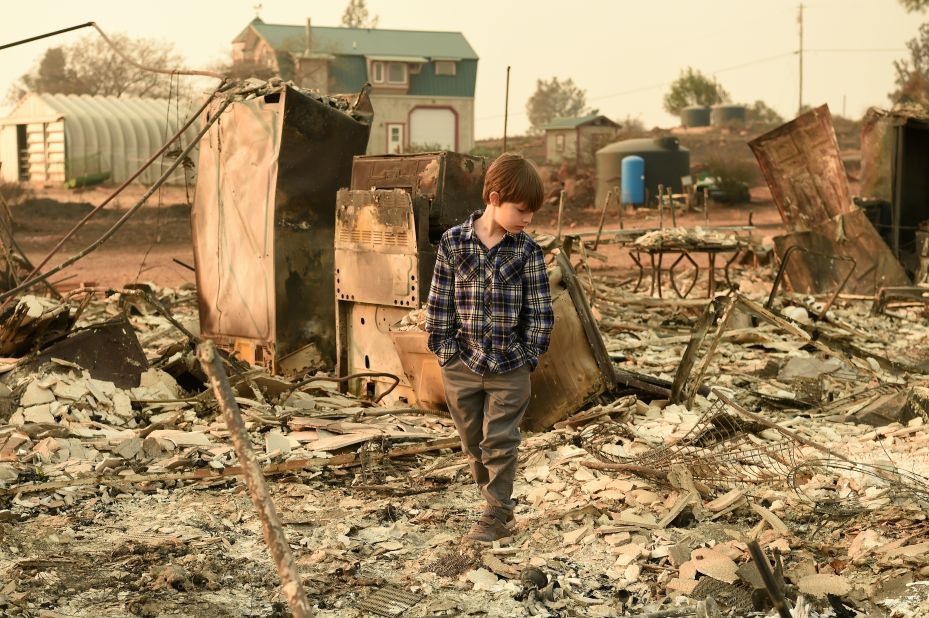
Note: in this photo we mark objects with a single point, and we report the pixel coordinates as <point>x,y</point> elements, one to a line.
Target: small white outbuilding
<point>50,139</point>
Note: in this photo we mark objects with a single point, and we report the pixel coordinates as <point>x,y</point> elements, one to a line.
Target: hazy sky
<point>622,52</point>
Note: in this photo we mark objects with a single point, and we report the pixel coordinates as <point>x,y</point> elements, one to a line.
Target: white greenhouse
<point>53,139</point>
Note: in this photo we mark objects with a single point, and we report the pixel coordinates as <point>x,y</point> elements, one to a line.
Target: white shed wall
<point>70,136</point>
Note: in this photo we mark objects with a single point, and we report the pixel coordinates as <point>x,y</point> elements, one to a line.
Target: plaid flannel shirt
<point>493,306</point>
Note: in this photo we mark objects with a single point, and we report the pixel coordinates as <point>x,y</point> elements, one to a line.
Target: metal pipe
<point>606,203</point>
<point>506,106</point>
<point>122,220</point>
<point>671,206</point>
<point>274,534</point>
<point>660,207</point>
<point>782,270</point>
<point>764,569</point>
<point>560,211</point>
<point>46,35</point>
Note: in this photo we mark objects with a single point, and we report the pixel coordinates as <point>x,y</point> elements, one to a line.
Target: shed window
<point>445,67</point>
<point>559,142</point>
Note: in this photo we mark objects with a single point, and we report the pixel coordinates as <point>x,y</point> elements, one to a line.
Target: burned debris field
<point>225,385</point>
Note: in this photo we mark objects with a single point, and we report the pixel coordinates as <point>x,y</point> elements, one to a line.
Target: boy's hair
<point>516,180</point>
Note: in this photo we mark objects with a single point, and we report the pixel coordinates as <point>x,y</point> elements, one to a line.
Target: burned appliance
<point>894,182</point>
<point>388,227</point>
<point>263,224</point>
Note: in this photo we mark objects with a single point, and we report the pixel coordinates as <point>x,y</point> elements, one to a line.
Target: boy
<point>489,318</point>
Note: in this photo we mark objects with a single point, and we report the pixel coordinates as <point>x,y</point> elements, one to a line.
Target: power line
<point>667,83</point>
<point>859,49</point>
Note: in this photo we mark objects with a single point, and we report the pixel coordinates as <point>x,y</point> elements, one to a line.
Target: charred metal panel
<point>108,351</point>
<point>376,283</point>
<point>264,221</point>
<point>376,248</point>
<point>910,188</point>
<point>232,220</point>
<point>849,235</point>
<point>801,164</point>
<point>445,187</point>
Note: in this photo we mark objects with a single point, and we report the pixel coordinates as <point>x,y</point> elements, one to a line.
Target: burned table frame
<point>656,257</point>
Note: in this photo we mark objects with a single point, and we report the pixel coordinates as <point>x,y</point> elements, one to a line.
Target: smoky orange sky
<point>624,53</point>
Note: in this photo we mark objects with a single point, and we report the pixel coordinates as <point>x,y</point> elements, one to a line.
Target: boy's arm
<point>537,317</point>
<point>441,316</point>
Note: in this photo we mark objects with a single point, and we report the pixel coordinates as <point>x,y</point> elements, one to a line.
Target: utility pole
<point>800,55</point>
<point>506,106</point>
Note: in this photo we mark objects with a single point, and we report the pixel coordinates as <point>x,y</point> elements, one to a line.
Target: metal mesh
<point>722,450</point>
<point>846,489</point>
<point>389,601</point>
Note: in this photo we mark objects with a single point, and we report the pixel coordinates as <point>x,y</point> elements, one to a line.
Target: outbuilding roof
<point>572,123</point>
<point>116,134</point>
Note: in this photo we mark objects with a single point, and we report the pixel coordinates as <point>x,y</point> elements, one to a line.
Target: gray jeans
<point>487,411</point>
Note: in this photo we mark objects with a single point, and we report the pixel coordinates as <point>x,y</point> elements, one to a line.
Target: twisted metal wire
<point>722,450</point>
<point>845,500</point>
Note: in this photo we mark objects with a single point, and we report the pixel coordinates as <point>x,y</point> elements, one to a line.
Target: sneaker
<point>488,529</point>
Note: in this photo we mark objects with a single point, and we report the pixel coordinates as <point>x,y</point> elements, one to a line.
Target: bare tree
<point>356,15</point>
<point>91,66</point>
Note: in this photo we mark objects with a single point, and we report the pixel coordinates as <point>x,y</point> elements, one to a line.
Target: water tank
<point>726,115</point>
<point>633,180</point>
<point>666,161</point>
<point>695,116</point>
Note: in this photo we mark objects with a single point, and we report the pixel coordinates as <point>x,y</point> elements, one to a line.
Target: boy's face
<point>511,216</point>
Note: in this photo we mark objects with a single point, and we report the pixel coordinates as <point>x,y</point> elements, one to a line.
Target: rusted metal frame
<point>345,379</point>
<point>585,260</point>
<point>782,270</point>
<point>706,207</point>
<point>560,213</point>
<point>634,256</point>
<point>886,295</point>
<point>274,534</point>
<point>684,388</point>
<point>711,276</point>
<point>781,430</point>
<point>671,206</point>
<point>661,207</point>
<point>687,379</point>
<point>729,263</point>
<point>606,204</point>
<point>683,255</point>
<point>46,35</point>
<point>129,213</point>
<point>775,592</point>
<point>850,350</point>
<point>587,321</point>
<point>180,132</point>
<point>656,269</point>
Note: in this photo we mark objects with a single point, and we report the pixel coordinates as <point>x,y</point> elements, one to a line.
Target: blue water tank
<point>633,180</point>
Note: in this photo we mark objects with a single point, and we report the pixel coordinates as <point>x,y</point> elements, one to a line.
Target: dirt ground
<point>146,247</point>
